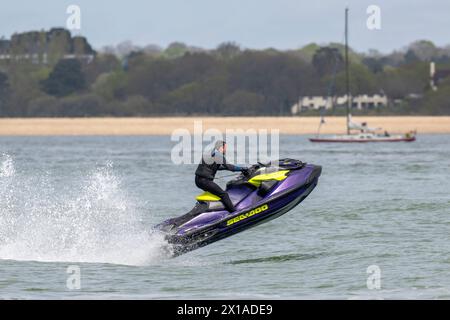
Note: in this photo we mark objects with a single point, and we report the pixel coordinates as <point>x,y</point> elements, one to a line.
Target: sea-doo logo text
<point>247,214</point>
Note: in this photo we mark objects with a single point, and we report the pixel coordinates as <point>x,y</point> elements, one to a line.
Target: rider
<point>206,171</point>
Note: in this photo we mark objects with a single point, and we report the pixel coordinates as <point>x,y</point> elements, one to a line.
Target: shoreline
<point>166,125</point>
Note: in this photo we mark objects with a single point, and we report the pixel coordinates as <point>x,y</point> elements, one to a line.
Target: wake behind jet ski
<point>260,193</point>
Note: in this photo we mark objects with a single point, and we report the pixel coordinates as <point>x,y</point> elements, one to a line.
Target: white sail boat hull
<point>365,137</point>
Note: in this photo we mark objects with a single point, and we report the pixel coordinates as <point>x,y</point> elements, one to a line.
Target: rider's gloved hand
<point>245,171</point>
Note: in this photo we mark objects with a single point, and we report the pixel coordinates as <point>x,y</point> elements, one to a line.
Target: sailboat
<point>359,132</point>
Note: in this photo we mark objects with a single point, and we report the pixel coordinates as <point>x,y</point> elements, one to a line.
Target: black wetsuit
<point>206,171</point>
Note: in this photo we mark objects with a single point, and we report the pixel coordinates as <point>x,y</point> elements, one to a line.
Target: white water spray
<point>94,222</point>
<point>6,166</point>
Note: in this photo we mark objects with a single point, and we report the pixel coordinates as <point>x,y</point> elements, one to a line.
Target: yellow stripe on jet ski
<point>278,175</point>
<point>248,214</point>
<point>207,196</point>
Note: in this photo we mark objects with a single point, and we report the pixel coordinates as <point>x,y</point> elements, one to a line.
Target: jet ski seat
<point>207,197</point>
<point>213,201</point>
<point>236,192</point>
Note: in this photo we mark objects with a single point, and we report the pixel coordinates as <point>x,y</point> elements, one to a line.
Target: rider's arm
<point>227,166</point>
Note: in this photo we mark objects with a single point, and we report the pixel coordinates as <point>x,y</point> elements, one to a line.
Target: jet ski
<point>265,192</point>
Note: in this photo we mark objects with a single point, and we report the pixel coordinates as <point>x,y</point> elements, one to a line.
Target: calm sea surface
<point>90,202</point>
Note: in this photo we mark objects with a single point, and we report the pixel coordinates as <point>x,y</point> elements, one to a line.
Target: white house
<point>369,102</point>
<point>358,102</point>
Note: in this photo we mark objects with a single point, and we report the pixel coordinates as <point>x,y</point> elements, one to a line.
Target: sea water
<point>377,225</point>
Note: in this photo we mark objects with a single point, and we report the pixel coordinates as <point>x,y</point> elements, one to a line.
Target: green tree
<point>327,60</point>
<point>424,50</point>
<point>4,93</point>
<point>103,63</point>
<point>307,52</point>
<point>203,97</point>
<point>280,78</point>
<point>83,105</point>
<point>175,50</point>
<point>411,57</point>
<point>437,102</point>
<point>111,85</point>
<point>228,50</point>
<point>401,81</point>
<point>362,81</point>
<point>244,103</point>
<point>24,80</point>
<point>375,65</point>
<point>66,78</point>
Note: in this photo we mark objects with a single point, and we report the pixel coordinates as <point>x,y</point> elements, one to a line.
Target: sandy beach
<point>166,125</point>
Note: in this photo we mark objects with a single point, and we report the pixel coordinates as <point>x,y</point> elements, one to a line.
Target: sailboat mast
<point>347,76</point>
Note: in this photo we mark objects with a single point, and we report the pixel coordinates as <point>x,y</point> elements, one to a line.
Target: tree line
<point>225,81</point>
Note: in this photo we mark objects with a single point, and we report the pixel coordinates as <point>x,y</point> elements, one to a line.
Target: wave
<point>279,258</point>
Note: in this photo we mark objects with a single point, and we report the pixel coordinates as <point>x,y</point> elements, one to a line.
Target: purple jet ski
<point>266,192</point>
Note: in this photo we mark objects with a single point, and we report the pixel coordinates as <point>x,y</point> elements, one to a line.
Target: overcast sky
<point>282,24</point>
